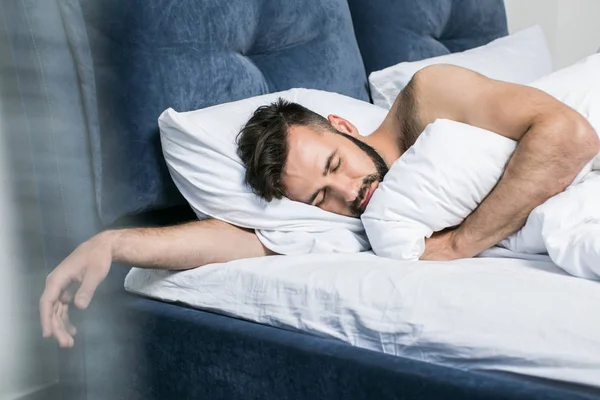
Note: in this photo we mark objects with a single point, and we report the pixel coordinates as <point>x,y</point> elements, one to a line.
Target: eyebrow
<point>325,170</point>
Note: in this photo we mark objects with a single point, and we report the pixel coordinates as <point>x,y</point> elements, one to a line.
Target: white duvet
<point>509,315</point>
<point>567,228</point>
<point>452,167</point>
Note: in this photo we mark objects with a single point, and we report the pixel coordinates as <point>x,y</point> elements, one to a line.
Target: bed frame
<point>99,72</point>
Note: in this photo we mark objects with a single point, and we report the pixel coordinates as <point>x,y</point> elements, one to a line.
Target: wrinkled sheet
<point>487,314</point>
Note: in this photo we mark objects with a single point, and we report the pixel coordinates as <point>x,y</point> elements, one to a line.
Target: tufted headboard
<point>137,57</point>
<point>148,55</point>
<point>392,31</point>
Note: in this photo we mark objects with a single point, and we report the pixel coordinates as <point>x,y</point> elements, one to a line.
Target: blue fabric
<point>165,351</point>
<point>392,31</point>
<point>146,55</point>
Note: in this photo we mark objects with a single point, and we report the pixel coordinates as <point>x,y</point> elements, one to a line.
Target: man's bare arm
<point>538,170</point>
<point>177,247</point>
<point>184,246</point>
<point>555,143</point>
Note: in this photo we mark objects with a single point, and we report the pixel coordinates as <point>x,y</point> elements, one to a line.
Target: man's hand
<point>441,246</point>
<point>177,247</point>
<point>76,278</point>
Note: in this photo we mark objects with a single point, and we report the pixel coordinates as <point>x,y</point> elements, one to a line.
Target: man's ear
<point>342,125</point>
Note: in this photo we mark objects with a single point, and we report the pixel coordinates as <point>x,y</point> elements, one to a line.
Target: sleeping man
<point>290,151</point>
<point>441,170</point>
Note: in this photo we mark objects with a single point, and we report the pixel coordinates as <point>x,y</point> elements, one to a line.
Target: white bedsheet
<point>523,316</point>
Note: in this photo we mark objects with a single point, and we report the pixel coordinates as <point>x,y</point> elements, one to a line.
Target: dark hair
<point>263,144</point>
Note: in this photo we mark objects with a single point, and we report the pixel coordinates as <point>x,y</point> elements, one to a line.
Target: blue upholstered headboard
<point>137,57</point>
<point>392,31</point>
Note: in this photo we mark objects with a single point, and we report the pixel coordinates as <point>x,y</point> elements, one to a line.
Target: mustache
<point>355,206</point>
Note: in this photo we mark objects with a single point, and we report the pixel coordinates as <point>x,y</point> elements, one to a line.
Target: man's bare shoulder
<point>415,107</point>
<point>444,72</point>
<point>460,94</point>
<point>441,91</point>
<point>439,88</point>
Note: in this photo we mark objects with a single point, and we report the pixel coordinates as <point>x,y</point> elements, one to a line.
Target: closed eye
<point>320,203</point>
<point>338,165</point>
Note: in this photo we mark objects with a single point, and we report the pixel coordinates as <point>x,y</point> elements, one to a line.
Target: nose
<point>345,188</point>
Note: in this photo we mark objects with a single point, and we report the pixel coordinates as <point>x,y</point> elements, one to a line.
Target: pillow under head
<point>201,152</point>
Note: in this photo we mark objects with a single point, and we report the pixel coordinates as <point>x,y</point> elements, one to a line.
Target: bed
<point>484,314</point>
<point>105,70</point>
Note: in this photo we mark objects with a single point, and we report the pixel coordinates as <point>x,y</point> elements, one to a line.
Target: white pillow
<point>201,152</point>
<point>434,185</point>
<point>518,58</point>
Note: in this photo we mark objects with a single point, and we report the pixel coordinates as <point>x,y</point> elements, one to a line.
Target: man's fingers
<point>63,338</point>
<point>66,296</point>
<point>90,282</point>
<point>66,322</point>
<point>54,285</point>
<point>72,330</point>
<point>84,268</point>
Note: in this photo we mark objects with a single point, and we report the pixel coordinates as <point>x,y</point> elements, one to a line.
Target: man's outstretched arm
<point>554,144</point>
<point>176,248</point>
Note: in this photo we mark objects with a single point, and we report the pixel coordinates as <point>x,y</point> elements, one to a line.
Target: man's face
<point>333,171</point>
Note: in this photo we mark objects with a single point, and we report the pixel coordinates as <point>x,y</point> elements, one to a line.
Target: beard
<point>380,167</point>
<point>355,206</point>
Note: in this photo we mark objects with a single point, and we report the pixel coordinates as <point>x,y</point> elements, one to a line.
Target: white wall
<point>572,27</point>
